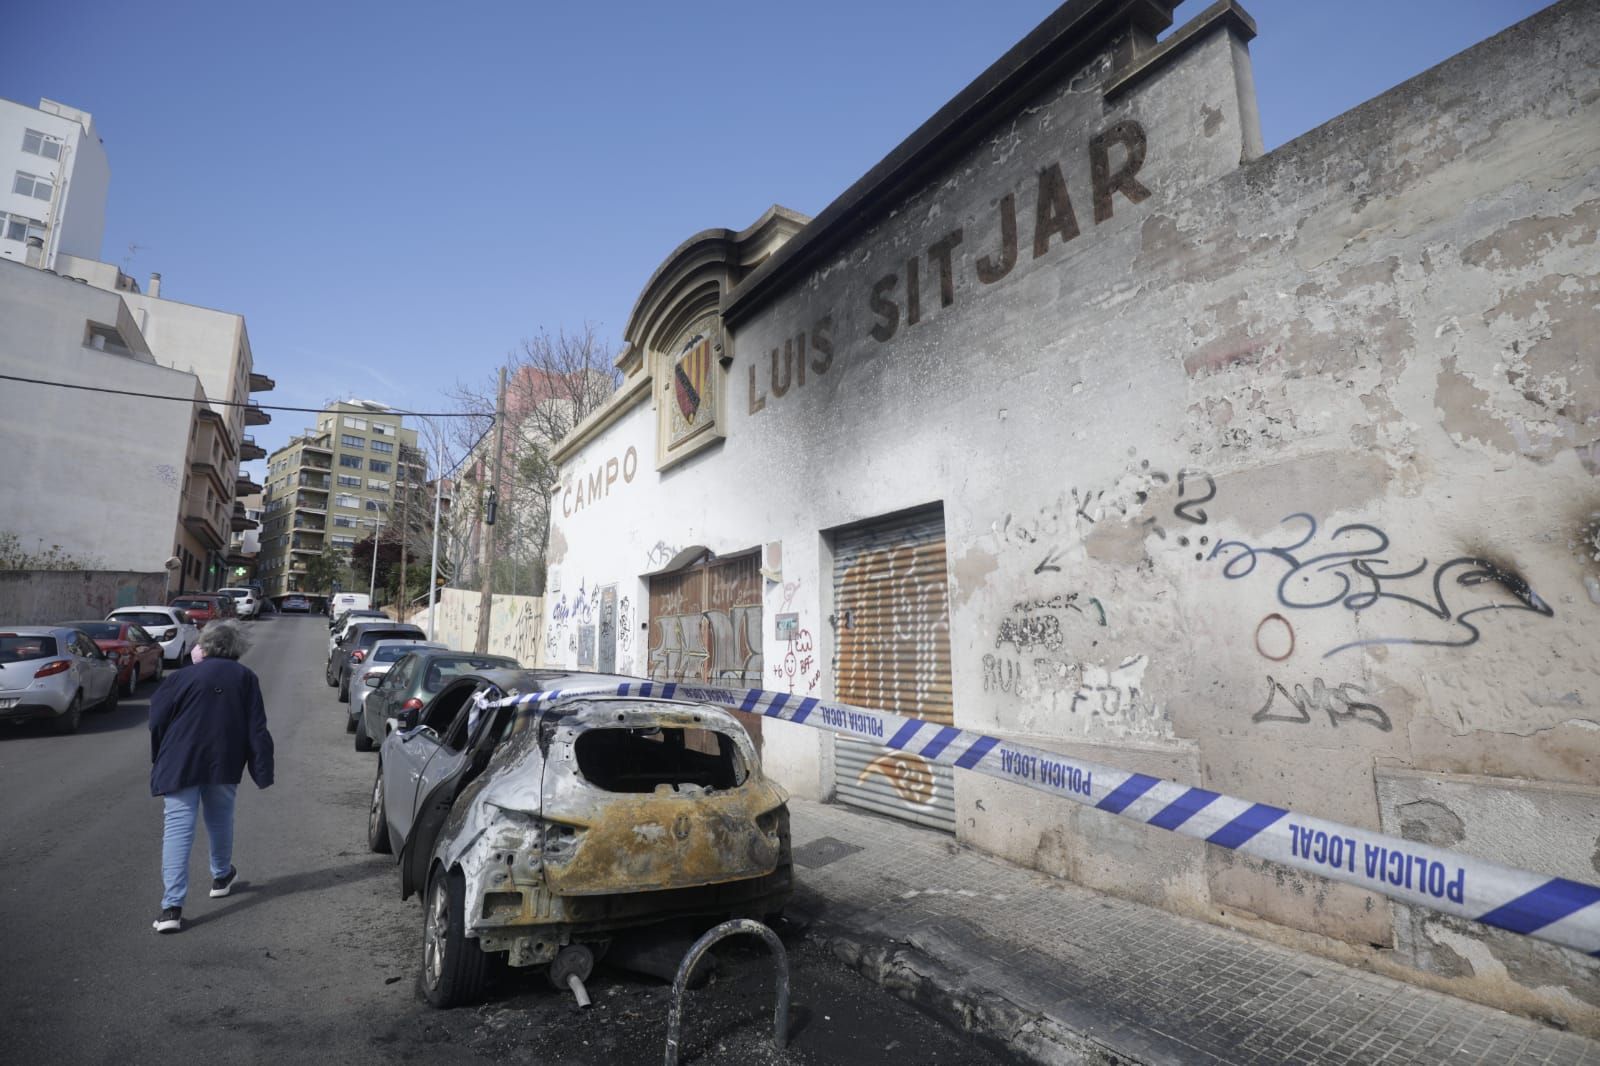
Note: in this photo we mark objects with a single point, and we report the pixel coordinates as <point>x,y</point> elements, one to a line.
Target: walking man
<point>207,724</point>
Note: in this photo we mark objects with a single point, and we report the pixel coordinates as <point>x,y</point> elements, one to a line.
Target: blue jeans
<point>215,802</point>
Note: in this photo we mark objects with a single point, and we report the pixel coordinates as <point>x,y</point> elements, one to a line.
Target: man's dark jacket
<point>207,723</point>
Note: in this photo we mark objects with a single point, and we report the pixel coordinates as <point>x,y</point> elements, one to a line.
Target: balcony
<point>314,482</point>
<point>244,486</point>
<point>249,449</point>
<point>302,502</point>
<point>242,521</point>
<point>261,383</point>
<point>206,523</point>
<point>255,416</point>
<point>316,444</point>
<point>310,525</point>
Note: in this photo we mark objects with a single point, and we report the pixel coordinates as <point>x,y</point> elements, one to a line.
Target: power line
<point>236,403</point>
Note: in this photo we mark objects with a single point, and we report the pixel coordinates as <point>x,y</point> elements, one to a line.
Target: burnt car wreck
<point>538,829</point>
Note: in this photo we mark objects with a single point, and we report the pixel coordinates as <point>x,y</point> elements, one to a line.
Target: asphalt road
<point>314,957</point>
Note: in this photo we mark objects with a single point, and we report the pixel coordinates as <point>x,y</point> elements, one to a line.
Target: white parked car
<point>245,602</point>
<point>170,626</point>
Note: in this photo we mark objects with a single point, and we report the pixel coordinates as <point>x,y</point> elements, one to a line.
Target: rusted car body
<point>533,828</point>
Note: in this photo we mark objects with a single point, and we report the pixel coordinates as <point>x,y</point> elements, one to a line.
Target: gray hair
<point>223,640</point>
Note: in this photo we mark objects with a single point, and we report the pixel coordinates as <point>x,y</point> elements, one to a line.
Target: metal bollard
<point>780,1012</point>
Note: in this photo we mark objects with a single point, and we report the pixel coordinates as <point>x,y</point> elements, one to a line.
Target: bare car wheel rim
<point>374,815</point>
<point>438,929</point>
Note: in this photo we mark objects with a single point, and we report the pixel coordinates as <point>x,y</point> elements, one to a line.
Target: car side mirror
<point>407,718</point>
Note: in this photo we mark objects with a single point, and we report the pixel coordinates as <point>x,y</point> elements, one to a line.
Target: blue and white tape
<point>1549,908</point>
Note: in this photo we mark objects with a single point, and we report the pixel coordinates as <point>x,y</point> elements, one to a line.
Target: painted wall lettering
<point>586,490</point>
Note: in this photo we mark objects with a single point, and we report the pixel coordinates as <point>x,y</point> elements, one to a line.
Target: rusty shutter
<point>892,653</point>
<point>705,626</point>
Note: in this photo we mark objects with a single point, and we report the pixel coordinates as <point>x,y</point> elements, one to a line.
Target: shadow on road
<point>249,893</point>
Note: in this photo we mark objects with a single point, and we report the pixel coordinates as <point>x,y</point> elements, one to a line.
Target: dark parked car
<point>412,682</point>
<point>358,641</point>
<point>135,651</point>
<point>534,831</point>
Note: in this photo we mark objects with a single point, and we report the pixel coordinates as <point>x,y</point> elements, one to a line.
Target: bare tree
<point>552,384</point>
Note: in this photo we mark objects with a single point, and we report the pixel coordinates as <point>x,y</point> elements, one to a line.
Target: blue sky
<point>396,193</point>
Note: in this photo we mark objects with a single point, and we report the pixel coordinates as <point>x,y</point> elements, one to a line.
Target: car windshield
<point>237,594</point>
<point>17,649</point>
<point>144,618</point>
<point>389,655</point>
<point>99,630</point>
<point>442,671</point>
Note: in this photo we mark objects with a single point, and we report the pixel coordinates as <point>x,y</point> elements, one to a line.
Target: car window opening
<point>645,760</point>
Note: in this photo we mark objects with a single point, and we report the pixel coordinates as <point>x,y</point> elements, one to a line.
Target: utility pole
<point>486,597</point>
<point>372,586</point>
<point>433,558</point>
<point>404,483</point>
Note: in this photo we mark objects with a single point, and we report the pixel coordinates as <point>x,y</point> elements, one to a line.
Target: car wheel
<point>161,669</point>
<point>133,680</point>
<point>452,962</point>
<point>378,819</point>
<point>68,723</point>
<point>344,692</point>
<point>349,723</point>
<point>363,742</point>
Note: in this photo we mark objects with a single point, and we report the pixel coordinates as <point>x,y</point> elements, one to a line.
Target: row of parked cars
<point>540,832</point>
<point>57,672</point>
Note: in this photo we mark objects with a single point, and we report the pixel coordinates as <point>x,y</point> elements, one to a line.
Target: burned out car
<point>529,829</point>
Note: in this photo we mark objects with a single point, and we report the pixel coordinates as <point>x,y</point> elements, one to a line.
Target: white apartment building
<point>56,177</point>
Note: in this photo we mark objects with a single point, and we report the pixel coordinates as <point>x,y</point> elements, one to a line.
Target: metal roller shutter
<point>892,653</point>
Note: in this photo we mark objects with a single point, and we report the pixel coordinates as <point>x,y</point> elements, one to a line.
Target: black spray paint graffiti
<point>1351,578</point>
<point>1337,703</point>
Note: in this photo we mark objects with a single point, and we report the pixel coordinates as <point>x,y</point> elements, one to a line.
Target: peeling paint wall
<point>1279,476</point>
<point>516,623</point>
<point>40,597</point>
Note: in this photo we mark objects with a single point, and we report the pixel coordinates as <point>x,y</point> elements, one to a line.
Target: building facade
<point>331,487</point>
<point>56,179</point>
<point>1081,420</point>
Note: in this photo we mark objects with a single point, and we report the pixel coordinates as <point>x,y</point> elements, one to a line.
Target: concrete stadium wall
<point>1276,477</point>
<point>515,623</point>
<point>40,597</point>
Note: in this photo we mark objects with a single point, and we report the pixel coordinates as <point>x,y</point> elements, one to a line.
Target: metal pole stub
<point>780,958</point>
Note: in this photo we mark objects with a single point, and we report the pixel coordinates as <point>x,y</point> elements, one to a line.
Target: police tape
<point>1537,905</point>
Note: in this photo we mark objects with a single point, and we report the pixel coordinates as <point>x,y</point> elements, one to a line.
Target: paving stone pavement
<point>1063,974</point>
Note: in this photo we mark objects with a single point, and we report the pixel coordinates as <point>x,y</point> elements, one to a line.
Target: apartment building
<point>56,177</point>
<point>331,487</point>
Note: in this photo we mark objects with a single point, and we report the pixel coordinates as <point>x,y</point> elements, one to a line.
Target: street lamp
<point>372,585</point>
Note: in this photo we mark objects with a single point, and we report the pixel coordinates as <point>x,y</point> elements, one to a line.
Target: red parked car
<point>203,607</point>
<point>136,653</point>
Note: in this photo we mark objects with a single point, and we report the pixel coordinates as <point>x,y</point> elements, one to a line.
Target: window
<point>378,466</point>
<point>21,227</point>
<point>377,505</point>
<point>342,542</point>
<point>344,521</point>
<point>383,429</point>
<point>382,446</point>
<point>33,185</point>
<point>349,481</point>
<point>352,442</point>
<point>377,483</point>
<point>343,500</point>
<point>41,144</point>
<point>354,423</point>
<point>351,461</point>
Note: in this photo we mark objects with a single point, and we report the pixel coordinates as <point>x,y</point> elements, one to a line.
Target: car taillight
<point>372,677</point>
<point>167,634</point>
<point>358,656</point>
<point>60,666</point>
<point>413,704</point>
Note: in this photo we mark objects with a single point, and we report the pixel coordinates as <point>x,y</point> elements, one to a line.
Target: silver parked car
<point>53,673</point>
<point>384,654</point>
<point>170,626</point>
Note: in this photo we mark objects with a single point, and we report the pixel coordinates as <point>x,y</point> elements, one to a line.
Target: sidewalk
<point>1061,974</point>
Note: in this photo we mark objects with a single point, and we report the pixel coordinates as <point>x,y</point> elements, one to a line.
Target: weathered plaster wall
<point>1275,477</point>
<point>515,623</point>
<point>40,597</point>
